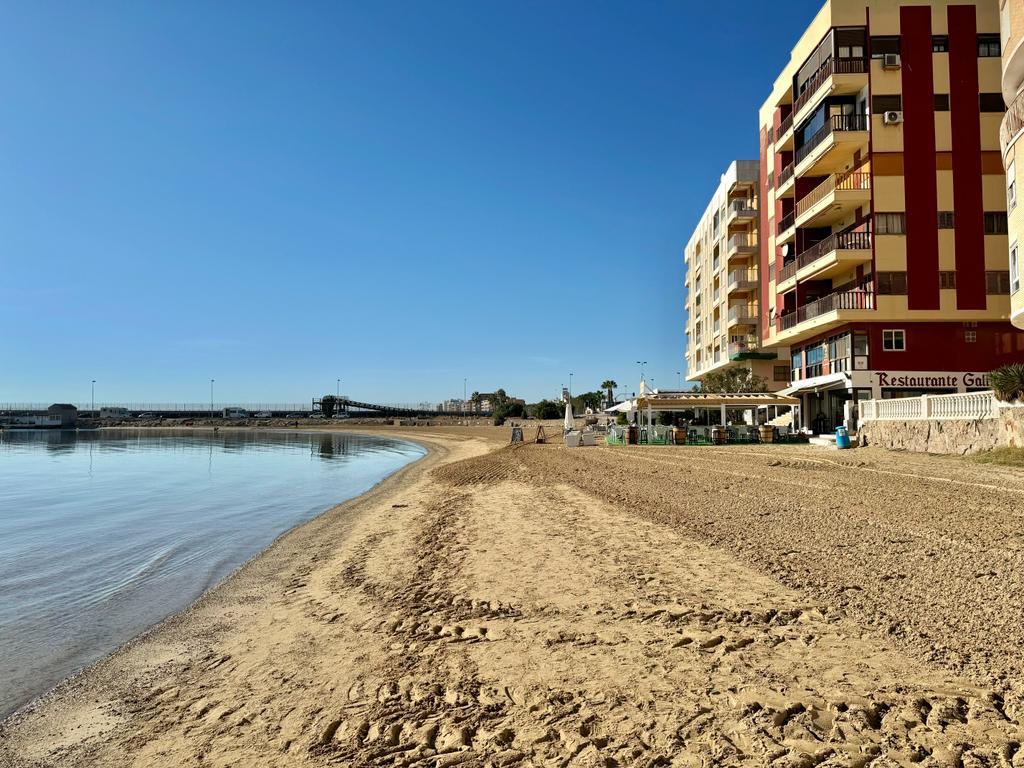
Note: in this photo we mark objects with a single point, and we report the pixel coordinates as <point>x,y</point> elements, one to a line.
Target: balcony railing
<point>786,222</point>
<point>831,67</point>
<point>1013,123</point>
<point>785,175</point>
<point>788,270</point>
<point>738,276</point>
<point>742,240</point>
<point>784,125</point>
<point>853,180</point>
<point>741,208</point>
<point>834,301</point>
<point>832,125</point>
<point>741,314</point>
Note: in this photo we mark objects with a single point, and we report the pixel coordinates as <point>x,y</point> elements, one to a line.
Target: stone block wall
<point>950,436</point>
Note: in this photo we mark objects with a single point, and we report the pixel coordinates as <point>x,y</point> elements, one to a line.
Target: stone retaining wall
<point>948,436</point>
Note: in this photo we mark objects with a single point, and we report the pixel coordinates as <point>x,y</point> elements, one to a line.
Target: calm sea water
<point>103,534</point>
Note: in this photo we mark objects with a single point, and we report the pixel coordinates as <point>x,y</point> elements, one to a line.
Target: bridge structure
<point>341,405</point>
<point>328,405</point>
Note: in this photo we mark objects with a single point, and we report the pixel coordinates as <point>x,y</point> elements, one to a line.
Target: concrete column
<point>723,415</point>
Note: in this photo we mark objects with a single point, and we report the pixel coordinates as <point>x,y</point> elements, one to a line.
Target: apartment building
<point>722,264</point>
<point>884,241</point>
<point>1012,27</point>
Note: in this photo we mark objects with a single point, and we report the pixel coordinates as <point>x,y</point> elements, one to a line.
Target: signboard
<point>959,381</point>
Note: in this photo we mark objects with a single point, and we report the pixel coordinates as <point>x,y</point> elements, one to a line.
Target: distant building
<point>1011,131</point>
<point>68,414</point>
<point>452,406</point>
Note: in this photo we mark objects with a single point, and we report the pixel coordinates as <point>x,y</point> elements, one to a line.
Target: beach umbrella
<point>569,421</point>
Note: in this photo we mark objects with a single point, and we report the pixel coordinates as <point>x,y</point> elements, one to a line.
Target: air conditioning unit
<point>891,61</point>
<point>892,117</point>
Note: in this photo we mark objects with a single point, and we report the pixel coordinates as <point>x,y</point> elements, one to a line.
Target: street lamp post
<point>211,397</point>
<point>338,392</point>
<point>94,398</point>
<point>463,399</point>
<point>679,380</point>
<point>641,363</point>
<point>570,387</point>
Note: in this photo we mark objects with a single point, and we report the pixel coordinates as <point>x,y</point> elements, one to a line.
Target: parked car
<point>264,415</point>
<point>148,416</point>
<point>295,416</point>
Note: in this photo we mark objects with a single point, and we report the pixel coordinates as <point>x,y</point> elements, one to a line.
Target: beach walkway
<point>535,606</point>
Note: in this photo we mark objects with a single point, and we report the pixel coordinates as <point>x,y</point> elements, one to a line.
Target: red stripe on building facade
<point>920,191</point>
<point>763,231</point>
<point>965,119</point>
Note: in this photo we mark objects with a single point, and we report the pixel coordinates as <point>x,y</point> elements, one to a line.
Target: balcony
<point>741,281</point>
<point>819,315</point>
<point>836,77</point>
<point>740,212</point>
<point>834,199</point>
<point>1013,123</point>
<point>832,146</point>
<point>783,187</point>
<point>741,315</point>
<point>786,228</point>
<point>784,134</point>
<point>834,255</point>
<point>741,245</point>
<point>747,349</point>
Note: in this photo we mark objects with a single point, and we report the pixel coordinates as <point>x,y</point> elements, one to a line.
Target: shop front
<point>830,400</point>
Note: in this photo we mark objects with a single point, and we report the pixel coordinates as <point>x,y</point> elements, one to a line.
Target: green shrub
<point>621,419</point>
<point>1008,382</point>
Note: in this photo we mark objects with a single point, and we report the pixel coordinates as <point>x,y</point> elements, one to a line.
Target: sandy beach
<point>535,606</point>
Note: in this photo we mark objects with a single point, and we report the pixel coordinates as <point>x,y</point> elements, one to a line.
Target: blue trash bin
<point>842,437</point>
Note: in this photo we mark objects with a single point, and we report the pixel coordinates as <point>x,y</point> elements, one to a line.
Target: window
<point>991,102</point>
<point>884,44</point>
<point>945,219</point>
<point>781,373</point>
<point>988,46</point>
<point>796,362</point>
<point>1011,185</point>
<point>995,223</point>
<point>940,43</point>
<point>890,224</point>
<point>947,280</point>
<point>860,344</point>
<point>851,51</point>
<point>892,283</point>
<point>942,102</point>
<point>815,357</point>
<point>970,336</point>
<point>997,283</point>
<point>880,104</point>
<point>894,341</point>
<point>1014,269</point>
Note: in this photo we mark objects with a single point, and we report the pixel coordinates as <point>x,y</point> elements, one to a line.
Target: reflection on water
<point>104,533</point>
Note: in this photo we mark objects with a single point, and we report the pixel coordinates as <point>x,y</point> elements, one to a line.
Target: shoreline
<point>338,510</point>
<point>534,605</point>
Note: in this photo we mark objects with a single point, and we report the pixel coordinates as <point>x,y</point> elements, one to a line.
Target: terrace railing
<point>784,175</point>
<point>834,124</point>
<point>831,67</point>
<point>1013,123</point>
<point>854,180</point>
<point>964,406</point>
<point>834,301</point>
<point>786,222</point>
<point>784,125</point>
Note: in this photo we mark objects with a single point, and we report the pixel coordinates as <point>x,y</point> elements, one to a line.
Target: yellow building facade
<point>722,283</point>
<point>1012,27</point>
<point>883,224</point>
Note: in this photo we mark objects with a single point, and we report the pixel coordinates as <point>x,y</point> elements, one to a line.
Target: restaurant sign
<point>930,379</point>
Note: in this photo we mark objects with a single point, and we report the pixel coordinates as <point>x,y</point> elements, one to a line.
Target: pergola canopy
<point>684,400</point>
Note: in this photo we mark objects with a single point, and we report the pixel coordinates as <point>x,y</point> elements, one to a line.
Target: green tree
<point>736,379</point>
<point>586,400</point>
<point>609,385</point>
<point>547,409</point>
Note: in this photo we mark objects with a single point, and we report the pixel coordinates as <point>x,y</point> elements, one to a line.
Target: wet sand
<point>645,606</point>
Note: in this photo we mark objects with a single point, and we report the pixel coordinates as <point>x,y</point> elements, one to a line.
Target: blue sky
<point>276,195</point>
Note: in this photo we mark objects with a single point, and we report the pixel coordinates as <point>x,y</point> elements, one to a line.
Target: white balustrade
<point>968,405</point>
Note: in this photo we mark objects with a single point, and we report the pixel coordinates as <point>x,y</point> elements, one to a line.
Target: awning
<point>684,400</point>
<point>819,384</point>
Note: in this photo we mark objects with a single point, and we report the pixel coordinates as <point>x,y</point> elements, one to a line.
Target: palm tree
<point>475,400</point>
<point>610,385</point>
